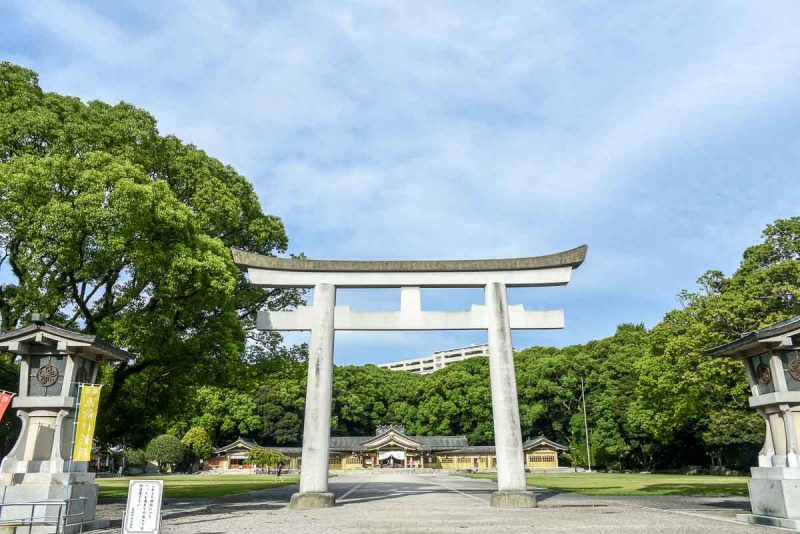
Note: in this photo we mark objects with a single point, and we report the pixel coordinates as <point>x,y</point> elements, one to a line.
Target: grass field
<point>196,486</point>
<point>636,484</point>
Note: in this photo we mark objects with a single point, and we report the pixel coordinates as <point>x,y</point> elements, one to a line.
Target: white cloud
<point>420,130</point>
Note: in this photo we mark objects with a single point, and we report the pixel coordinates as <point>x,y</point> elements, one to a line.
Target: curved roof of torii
<point>568,258</point>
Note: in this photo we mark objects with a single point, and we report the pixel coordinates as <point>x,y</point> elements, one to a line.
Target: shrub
<point>166,451</point>
<point>135,457</point>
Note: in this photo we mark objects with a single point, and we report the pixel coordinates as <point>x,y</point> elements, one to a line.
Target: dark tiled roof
<point>98,345</point>
<point>349,443</point>
<point>475,449</point>
<point>541,440</point>
<point>240,442</point>
<point>750,338</point>
<point>285,450</point>
<point>439,442</point>
<point>252,445</point>
<point>429,443</point>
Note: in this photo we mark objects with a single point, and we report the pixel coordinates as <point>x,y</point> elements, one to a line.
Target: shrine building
<point>391,447</point>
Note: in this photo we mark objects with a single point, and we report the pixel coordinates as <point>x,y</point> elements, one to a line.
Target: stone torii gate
<point>495,316</point>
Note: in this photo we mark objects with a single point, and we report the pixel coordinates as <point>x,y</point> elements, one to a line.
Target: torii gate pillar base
<point>513,499</point>
<point>311,500</point>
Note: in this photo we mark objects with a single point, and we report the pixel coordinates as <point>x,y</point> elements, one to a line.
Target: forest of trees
<point>109,227</point>
<point>654,399</point>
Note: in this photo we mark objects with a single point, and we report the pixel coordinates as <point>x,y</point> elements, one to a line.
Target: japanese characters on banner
<point>88,401</point>
<point>5,401</point>
<point>143,510</point>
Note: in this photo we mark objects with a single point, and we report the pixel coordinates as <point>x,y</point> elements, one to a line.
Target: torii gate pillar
<point>317,424</point>
<point>495,316</point>
<point>511,486</point>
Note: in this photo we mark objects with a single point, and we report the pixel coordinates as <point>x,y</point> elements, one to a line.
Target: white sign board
<point>143,511</point>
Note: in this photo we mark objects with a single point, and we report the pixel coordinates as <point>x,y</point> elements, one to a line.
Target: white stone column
<point>792,456</point>
<point>767,453</point>
<point>511,483</point>
<point>317,424</point>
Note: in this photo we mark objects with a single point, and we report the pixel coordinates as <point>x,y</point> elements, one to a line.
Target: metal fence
<point>25,522</point>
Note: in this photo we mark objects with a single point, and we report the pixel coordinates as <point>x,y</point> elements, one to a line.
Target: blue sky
<point>664,135</point>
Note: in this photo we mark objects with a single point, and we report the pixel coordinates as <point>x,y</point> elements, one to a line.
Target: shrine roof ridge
<point>568,258</point>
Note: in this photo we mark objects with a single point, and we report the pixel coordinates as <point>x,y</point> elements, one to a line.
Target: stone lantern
<point>53,361</point>
<point>771,358</point>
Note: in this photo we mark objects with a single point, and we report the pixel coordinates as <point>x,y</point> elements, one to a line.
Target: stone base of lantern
<point>41,496</point>
<point>774,497</point>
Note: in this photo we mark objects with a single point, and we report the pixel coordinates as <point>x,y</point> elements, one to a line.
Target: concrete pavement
<point>438,503</point>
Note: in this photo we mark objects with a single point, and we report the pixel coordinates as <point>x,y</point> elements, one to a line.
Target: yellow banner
<point>84,429</point>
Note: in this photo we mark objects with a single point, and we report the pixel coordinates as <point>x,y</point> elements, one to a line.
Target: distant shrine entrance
<point>391,448</point>
<point>494,315</point>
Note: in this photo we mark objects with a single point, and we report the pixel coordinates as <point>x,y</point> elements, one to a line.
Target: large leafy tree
<point>110,227</point>
<point>455,400</point>
<point>683,392</point>
<point>225,413</point>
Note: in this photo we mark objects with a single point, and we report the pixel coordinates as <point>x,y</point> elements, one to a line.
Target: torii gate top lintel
<point>551,269</point>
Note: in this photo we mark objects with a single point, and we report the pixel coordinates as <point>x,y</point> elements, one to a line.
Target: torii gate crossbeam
<point>494,315</point>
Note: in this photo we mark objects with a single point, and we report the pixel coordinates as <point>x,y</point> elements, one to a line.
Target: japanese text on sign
<point>143,511</point>
<point>84,424</point>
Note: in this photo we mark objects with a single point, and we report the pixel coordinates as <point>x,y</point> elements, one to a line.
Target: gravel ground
<point>411,503</point>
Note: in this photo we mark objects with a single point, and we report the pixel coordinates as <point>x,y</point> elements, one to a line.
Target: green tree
<point>167,451</point>
<point>197,446</point>
<point>280,404</point>
<point>197,441</point>
<point>264,457</point>
<point>684,395</point>
<point>548,383</point>
<point>616,443</point>
<point>455,400</point>
<point>135,457</point>
<point>112,228</point>
<point>730,431</point>
<point>224,413</point>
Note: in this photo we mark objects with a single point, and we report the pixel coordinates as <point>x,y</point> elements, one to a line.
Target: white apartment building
<point>438,360</point>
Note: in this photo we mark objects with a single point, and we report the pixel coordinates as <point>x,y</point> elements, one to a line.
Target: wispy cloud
<point>459,130</point>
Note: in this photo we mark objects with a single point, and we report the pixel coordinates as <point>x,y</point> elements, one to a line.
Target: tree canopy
<point>259,457</point>
<point>197,442</point>
<point>112,228</point>
<point>166,450</point>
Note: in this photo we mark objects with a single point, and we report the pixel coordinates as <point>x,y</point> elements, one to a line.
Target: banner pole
<point>72,448</point>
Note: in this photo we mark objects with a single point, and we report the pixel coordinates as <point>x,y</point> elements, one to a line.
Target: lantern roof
<point>782,334</point>
<point>41,337</point>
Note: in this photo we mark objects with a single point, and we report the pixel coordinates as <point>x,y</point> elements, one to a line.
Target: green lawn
<point>636,484</point>
<point>196,486</point>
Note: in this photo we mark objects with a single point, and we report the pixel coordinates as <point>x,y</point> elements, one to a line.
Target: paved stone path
<point>437,503</point>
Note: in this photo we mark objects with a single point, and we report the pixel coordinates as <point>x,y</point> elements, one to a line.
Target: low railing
<point>60,520</point>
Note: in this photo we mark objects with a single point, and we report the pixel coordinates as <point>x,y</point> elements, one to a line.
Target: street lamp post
<point>586,428</point>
